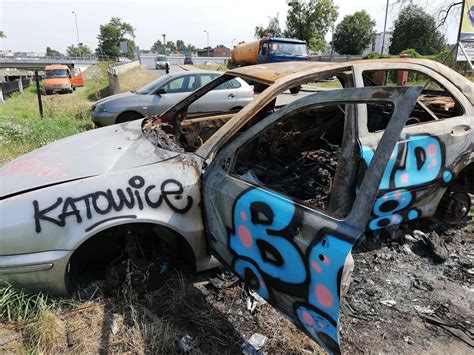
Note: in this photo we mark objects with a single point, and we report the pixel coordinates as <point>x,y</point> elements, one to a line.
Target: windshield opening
<point>161,58</point>
<point>56,73</point>
<point>282,48</point>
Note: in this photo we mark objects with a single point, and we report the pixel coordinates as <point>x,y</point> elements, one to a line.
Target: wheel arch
<point>119,117</point>
<point>85,247</point>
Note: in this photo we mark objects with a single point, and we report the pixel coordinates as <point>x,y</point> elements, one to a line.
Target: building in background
<point>219,51</point>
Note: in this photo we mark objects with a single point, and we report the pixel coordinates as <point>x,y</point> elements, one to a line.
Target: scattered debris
<point>437,246</point>
<point>424,310</point>
<point>388,303</point>
<point>224,279</point>
<point>254,344</point>
<point>69,339</point>
<point>254,300</point>
<point>114,328</point>
<point>186,344</point>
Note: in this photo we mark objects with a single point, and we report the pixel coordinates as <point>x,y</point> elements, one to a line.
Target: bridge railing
<point>6,58</point>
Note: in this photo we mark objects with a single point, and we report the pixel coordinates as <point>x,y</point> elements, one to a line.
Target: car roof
<point>269,73</point>
<point>57,66</point>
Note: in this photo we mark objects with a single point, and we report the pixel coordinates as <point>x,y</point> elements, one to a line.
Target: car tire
<point>128,116</point>
<point>295,90</point>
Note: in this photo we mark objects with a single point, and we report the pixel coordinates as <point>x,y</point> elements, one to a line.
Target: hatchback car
<point>161,62</point>
<point>188,61</point>
<point>277,194</point>
<point>166,91</point>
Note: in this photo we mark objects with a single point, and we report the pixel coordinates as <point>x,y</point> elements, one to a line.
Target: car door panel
<point>293,256</point>
<point>423,162</point>
<point>174,93</point>
<point>221,99</point>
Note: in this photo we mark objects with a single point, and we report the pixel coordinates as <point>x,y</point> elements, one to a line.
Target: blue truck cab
<point>273,50</point>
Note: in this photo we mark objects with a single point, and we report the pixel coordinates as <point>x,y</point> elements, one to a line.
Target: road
<point>149,63</point>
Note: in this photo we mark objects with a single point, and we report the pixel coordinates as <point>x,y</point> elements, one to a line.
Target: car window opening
<point>297,156</point>
<point>434,103</point>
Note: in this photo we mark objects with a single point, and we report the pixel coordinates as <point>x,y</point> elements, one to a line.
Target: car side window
<point>298,156</point>
<point>434,103</point>
<point>182,84</point>
<point>207,78</point>
<point>234,84</point>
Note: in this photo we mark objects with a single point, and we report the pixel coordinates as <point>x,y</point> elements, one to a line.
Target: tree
<point>110,36</point>
<point>157,46</point>
<point>310,20</point>
<point>74,51</point>
<point>2,34</point>
<point>180,46</point>
<point>272,30</point>
<point>354,33</point>
<point>442,12</point>
<point>415,29</point>
<point>53,53</point>
<point>171,46</point>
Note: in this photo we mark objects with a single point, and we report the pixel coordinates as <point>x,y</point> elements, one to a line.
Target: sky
<point>32,25</point>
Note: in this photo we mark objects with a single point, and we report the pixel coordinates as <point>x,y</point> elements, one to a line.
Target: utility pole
<point>77,32</point>
<point>384,28</point>
<point>38,93</point>
<point>207,32</point>
<point>164,42</point>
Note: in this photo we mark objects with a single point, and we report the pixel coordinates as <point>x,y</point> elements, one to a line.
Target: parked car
<point>159,95</point>
<point>277,194</point>
<point>188,61</point>
<point>57,79</point>
<point>161,62</point>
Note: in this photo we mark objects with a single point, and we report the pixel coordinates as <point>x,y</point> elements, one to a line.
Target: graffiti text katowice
<point>104,202</point>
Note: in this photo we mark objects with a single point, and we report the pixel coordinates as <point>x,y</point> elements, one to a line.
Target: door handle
<point>231,96</point>
<point>461,130</point>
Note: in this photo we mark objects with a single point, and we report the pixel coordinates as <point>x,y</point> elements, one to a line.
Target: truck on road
<point>269,50</point>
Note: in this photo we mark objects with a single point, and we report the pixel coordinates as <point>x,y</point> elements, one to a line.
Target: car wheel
<point>295,90</point>
<point>128,116</point>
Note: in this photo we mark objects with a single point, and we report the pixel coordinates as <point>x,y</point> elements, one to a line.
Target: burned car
<point>277,193</point>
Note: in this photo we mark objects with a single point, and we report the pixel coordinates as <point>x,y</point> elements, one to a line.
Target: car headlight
<point>100,108</point>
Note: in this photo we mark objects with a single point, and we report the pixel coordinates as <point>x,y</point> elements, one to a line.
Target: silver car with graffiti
<point>279,194</point>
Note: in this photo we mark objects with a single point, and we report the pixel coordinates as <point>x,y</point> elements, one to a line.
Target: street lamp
<point>232,43</point>
<point>207,32</point>
<point>77,32</point>
<point>384,29</point>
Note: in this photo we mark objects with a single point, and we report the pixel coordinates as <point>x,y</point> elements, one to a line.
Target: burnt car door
<point>435,139</point>
<point>266,214</point>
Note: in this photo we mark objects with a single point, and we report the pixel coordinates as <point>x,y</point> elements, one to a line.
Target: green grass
<point>20,306</point>
<point>23,130</point>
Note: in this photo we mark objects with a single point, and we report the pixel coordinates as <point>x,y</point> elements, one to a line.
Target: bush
<point>373,55</point>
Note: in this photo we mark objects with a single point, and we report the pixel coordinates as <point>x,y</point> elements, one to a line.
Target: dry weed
<point>136,78</point>
<point>46,335</point>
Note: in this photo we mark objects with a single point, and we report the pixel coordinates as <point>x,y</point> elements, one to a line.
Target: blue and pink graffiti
<point>416,161</point>
<point>269,260</point>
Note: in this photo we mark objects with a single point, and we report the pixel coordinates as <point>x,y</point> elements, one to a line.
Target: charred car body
<point>278,194</point>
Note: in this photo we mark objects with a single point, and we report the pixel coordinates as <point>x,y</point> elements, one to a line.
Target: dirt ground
<point>401,300</point>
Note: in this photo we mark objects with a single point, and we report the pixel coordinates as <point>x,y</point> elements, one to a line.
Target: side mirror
<point>160,91</point>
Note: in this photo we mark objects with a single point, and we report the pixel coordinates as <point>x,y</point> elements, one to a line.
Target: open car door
<point>294,254</point>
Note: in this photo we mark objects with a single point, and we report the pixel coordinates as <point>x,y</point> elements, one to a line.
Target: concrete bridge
<point>41,62</point>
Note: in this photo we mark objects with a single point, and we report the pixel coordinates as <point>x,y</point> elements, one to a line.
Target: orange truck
<point>59,78</point>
